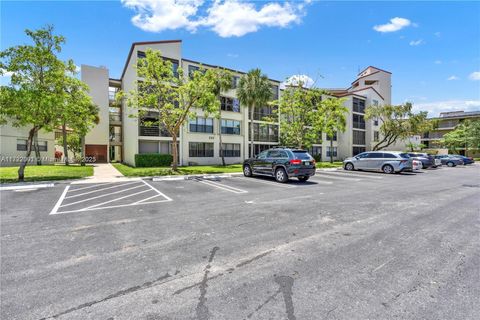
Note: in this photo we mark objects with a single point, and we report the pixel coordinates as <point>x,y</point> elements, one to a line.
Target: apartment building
<point>446,122</point>
<point>121,134</point>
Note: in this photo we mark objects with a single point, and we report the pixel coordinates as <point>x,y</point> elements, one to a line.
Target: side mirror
<point>357,158</point>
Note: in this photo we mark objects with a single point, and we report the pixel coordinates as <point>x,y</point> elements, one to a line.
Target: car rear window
<point>302,155</point>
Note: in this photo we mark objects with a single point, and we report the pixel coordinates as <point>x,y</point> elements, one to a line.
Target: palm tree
<point>253,91</point>
<point>335,119</point>
<point>223,82</point>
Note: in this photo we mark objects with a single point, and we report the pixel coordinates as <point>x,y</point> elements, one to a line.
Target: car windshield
<point>302,155</point>
<point>404,155</point>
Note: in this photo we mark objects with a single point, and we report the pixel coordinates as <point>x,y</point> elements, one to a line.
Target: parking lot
<point>344,245</point>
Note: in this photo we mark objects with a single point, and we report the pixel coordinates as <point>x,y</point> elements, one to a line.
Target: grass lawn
<point>165,171</point>
<point>327,164</point>
<point>46,173</point>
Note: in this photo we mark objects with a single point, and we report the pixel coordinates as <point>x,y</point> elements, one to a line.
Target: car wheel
<point>450,164</point>
<point>247,171</point>
<point>281,175</point>
<point>349,166</point>
<point>303,179</point>
<point>387,169</point>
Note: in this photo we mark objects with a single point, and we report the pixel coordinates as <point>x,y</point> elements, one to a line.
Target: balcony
<point>115,139</point>
<point>115,118</point>
<point>153,131</point>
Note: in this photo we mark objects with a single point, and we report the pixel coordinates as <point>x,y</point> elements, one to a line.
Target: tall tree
<point>397,123</point>
<point>223,82</point>
<point>32,98</point>
<point>334,119</point>
<point>466,135</point>
<point>171,94</point>
<point>253,91</point>
<point>301,122</point>
<point>78,112</point>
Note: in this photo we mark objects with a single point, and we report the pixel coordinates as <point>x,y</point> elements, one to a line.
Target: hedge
<point>153,160</point>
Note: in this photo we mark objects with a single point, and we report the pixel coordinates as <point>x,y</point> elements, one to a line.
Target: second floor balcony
<point>152,131</point>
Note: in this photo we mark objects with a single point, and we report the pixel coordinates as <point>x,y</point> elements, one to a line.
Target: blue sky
<point>432,48</point>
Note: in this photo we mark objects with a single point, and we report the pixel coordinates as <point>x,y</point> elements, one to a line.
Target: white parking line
<point>335,177</point>
<point>102,205</point>
<point>101,196</point>
<point>96,190</point>
<point>344,173</point>
<point>221,186</point>
<point>259,180</point>
<point>60,200</point>
<point>93,186</point>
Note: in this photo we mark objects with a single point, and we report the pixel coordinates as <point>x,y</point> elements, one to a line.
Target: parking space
<point>79,198</point>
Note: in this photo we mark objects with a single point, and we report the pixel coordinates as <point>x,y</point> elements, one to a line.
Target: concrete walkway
<point>103,173</point>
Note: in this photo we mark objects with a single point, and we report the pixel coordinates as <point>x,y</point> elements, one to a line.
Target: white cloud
<point>233,55</point>
<point>434,108</point>
<point>305,80</point>
<point>227,18</point>
<point>417,42</point>
<point>394,25</point>
<point>474,76</point>
<point>438,34</point>
<point>453,78</point>
<point>438,62</point>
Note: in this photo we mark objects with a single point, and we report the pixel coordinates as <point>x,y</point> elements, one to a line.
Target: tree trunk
<point>331,149</point>
<point>23,164</point>
<point>220,141</point>
<point>65,146</point>
<point>37,149</point>
<point>252,108</point>
<point>82,152</point>
<point>174,152</point>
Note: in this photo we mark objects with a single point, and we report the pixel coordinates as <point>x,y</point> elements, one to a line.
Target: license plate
<point>307,163</point>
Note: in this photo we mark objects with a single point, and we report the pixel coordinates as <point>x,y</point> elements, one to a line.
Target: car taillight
<point>295,161</point>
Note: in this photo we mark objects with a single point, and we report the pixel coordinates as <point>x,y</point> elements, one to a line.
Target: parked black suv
<point>281,163</point>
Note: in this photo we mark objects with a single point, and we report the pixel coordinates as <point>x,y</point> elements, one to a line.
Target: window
<point>357,150</point>
<point>363,155</point>
<point>303,155</point>
<point>334,137</point>
<point>231,149</point>
<point>263,155</point>
<point>42,145</point>
<point>192,69</point>
<point>21,145</point>
<point>389,156</point>
<point>257,148</point>
<point>374,155</point>
<point>200,149</point>
<point>235,81</point>
<point>331,152</point>
<point>370,82</point>
<point>358,121</point>
<point>358,105</point>
<point>375,102</point>
<point>262,112</point>
<point>376,136</point>
<point>200,124</point>
<point>277,154</point>
<point>229,104</point>
<point>316,151</point>
<point>265,132</point>
<point>230,126</point>
<point>274,90</point>
<point>147,146</point>
<point>149,126</point>
<point>358,137</point>
<point>375,122</point>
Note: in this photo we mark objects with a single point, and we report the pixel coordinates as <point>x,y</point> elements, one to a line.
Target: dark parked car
<point>281,163</point>
<point>427,160</point>
<point>449,160</point>
<point>466,160</point>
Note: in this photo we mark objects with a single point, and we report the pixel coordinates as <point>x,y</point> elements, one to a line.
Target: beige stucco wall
<point>97,80</point>
<point>9,156</point>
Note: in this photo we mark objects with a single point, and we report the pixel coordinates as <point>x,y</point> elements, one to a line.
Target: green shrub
<point>153,160</point>
<point>317,157</point>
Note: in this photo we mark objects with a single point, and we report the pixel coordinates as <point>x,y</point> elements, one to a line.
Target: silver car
<point>385,161</point>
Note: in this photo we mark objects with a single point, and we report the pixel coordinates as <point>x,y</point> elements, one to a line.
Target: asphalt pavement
<point>344,245</point>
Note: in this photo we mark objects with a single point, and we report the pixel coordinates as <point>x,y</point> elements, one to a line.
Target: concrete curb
<point>23,186</point>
